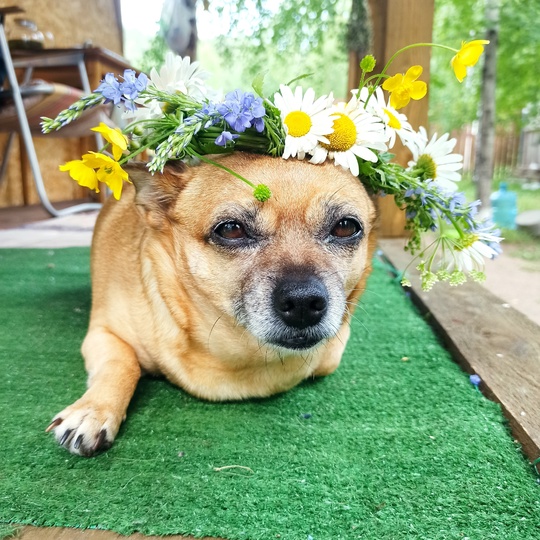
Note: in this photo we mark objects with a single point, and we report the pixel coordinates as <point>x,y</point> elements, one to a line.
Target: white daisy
<point>435,159</point>
<point>395,123</point>
<point>469,254</point>
<point>307,122</point>
<point>180,75</point>
<point>356,134</point>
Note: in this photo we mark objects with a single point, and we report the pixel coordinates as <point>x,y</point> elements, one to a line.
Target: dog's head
<point>289,270</point>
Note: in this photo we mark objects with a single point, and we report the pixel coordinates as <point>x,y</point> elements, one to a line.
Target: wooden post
<point>397,23</point>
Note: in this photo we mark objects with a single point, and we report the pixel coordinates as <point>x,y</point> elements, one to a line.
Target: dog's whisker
<point>212,329</point>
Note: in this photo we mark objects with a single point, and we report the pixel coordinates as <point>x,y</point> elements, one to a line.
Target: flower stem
<point>220,166</point>
<point>383,74</point>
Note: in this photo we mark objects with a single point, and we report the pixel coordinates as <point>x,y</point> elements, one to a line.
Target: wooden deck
<point>490,338</point>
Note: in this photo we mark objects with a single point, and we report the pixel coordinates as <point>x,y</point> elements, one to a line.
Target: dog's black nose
<point>300,302</point>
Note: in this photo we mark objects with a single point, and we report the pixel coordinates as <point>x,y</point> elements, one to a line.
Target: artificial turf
<point>397,444</point>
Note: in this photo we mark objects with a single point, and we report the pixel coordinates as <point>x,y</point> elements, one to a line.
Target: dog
<point>227,297</point>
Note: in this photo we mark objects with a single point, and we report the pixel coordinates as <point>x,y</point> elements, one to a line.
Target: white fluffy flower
<point>307,121</point>
<point>435,158</point>
<point>356,134</point>
<point>469,254</point>
<point>395,123</point>
<point>180,75</point>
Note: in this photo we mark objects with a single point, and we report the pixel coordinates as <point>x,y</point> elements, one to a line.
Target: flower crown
<point>174,115</point>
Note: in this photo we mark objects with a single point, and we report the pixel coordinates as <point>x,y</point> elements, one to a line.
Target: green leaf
<point>258,83</point>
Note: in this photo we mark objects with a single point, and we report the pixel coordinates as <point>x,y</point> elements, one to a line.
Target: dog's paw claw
<point>56,422</point>
<point>65,437</point>
<point>84,429</point>
<point>78,442</point>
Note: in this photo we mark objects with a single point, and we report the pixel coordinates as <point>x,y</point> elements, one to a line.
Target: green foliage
<point>517,57</point>
<point>300,25</point>
<point>283,40</point>
<point>155,54</point>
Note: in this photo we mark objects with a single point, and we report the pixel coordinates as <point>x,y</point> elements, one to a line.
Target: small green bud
<point>478,276</point>
<point>367,64</point>
<point>405,282</point>
<point>138,131</point>
<point>428,280</point>
<point>457,278</point>
<point>262,193</point>
<point>443,275</point>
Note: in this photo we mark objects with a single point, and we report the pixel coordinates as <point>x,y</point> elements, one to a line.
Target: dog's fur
<point>172,297</point>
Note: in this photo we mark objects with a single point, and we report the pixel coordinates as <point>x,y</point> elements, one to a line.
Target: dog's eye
<point>231,230</point>
<point>346,228</point>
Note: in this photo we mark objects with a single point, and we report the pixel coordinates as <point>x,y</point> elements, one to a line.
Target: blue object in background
<point>504,205</point>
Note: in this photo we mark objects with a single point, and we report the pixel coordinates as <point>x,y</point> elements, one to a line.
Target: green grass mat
<point>385,448</point>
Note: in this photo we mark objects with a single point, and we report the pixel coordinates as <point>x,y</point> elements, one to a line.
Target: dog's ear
<point>157,193</point>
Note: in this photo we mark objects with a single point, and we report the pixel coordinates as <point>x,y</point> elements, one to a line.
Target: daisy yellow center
<point>428,166</point>
<point>298,123</point>
<point>466,242</point>
<point>393,121</point>
<point>344,136</point>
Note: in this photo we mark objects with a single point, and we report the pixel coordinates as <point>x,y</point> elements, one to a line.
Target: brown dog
<point>229,298</point>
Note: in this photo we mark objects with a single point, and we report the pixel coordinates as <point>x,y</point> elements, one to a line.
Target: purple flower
<point>110,89</point>
<point>419,193</point>
<point>475,380</point>
<point>225,137</point>
<point>132,86</point>
<point>125,92</point>
<point>242,111</point>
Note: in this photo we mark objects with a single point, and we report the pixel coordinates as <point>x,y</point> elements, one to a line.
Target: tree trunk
<point>485,141</point>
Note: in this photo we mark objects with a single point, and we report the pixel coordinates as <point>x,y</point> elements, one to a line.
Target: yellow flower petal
<point>470,54</point>
<point>404,87</point>
<point>113,175</point>
<point>418,89</point>
<point>467,56</point>
<point>412,74</point>
<point>115,137</point>
<point>399,99</point>
<point>97,160</point>
<point>393,82</point>
<point>460,71</point>
<point>81,173</point>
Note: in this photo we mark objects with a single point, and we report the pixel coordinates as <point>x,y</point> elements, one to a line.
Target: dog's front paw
<point>85,428</point>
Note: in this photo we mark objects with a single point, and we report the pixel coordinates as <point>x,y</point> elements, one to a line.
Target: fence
<point>519,151</point>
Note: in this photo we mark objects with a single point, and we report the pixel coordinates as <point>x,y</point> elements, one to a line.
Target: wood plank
<point>396,24</point>
<point>487,337</point>
<point>57,533</point>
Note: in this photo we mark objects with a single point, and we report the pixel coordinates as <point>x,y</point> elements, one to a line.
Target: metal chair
<point>22,102</point>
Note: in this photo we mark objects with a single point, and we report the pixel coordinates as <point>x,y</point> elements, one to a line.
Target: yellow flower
<point>115,137</point>
<point>108,171</point>
<point>82,173</point>
<point>404,87</point>
<point>467,56</point>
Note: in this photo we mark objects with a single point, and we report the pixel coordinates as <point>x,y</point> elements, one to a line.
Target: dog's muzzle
<point>300,303</point>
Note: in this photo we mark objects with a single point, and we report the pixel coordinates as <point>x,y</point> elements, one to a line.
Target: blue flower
<point>125,92</point>
<point>133,86</point>
<point>225,137</point>
<point>242,110</point>
<point>110,89</point>
<point>419,193</point>
<point>255,107</point>
<point>475,380</point>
